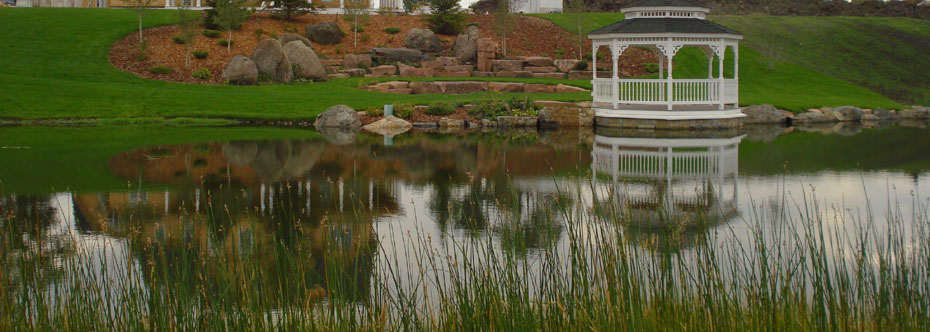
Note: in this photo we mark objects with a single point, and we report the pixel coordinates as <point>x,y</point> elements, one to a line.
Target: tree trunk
<point>140,27</point>
<point>229,41</point>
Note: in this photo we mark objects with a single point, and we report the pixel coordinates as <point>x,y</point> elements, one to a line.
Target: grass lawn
<point>56,67</point>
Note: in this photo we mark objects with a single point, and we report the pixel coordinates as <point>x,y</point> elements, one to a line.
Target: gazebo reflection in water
<point>656,183</point>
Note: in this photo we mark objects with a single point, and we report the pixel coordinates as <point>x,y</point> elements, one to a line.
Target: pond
<point>255,228</point>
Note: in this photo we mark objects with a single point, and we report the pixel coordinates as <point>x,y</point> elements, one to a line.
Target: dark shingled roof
<point>662,25</point>
<point>665,3</point>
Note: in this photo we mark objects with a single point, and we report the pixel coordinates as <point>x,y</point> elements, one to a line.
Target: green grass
<point>816,61</point>
<point>590,21</point>
<point>57,67</point>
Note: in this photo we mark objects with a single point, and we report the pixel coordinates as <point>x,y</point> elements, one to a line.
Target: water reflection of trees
<point>29,252</point>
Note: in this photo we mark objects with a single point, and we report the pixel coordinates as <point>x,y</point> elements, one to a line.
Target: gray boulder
<point>241,71</point>
<point>339,136</point>
<point>326,33</point>
<point>390,55</point>
<point>517,121</point>
<point>884,115</point>
<point>422,39</point>
<point>271,61</point>
<point>812,117</point>
<point>915,112</point>
<point>339,116</point>
<point>289,37</point>
<point>466,45</point>
<point>845,113</point>
<point>388,126</point>
<point>759,114</point>
<point>304,61</point>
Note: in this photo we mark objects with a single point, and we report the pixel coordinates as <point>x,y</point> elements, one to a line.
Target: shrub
<point>522,106</point>
<point>358,28</point>
<point>447,18</point>
<point>160,70</point>
<point>392,30</point>
<point>403,111</point>
<point>365,37</point>
<point>581,65</point>
<point>651,67</point>
<point>211,33</point>
<point>200,54</point>
<point>224,42</point>
<point>210,16</point>
<point>290,28</point>
<point>273,35</point>
<point>374,111</point>
<point>202,73</point>
<point>179,40</point>
<point>487,110</point>
<point>440,108</point>
<point>258,33</point>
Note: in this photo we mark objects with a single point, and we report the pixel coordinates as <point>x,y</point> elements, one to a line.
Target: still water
<point>236,194</point>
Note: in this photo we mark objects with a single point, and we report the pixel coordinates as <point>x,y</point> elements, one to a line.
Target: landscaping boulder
<point>354,72</point>
<point>463,87</point>
<point>387,54</point>
<point>844,113</point>
<point>548,75</point>
<point>357,61</point>
<point>458,68</point>
<point>507,65</point>
<point>505,87</point>
<point>568,88</point>
<point>289,37</point>
<point>763,114</point>
<point>514,74</point>
<point>434,65</point>
<point>566,65</point>
<point>884,115</point>
<point>537,61</point>
<point>386,70</point>
<point>487,52</point>
<point>241,71</point>
<point>517,121</point>
<point>580,75</point>
<point>339,116</point>
<point>568,116</point>
<point>449,61</point>
<point>870,118</point>
<point>445,123</point>
<point>411,71</point>
<point>388,126</point>
<point>419,88</point>
<point>541,69</point>
<point>271,61</point>
<point>326,33</point>
<point>812,117</point>
<point>422,39</point>
<point>539,88</point>
<point>304,62</point>
<point>915,112</point>
<point>465,47</point>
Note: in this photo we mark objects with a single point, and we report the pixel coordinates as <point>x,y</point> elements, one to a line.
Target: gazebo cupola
<point>667,26</point>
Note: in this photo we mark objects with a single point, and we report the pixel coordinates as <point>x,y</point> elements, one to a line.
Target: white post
<point>198,3</point>
<point>710,63</point>
<point>668,57</point>
<point>594,59</point>
<point>723,54</point>
<point>661,66</point>
<point>614,53</point>
<point>736,73</point>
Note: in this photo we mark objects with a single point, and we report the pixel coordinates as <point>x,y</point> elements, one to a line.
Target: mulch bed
<point>532,36</point>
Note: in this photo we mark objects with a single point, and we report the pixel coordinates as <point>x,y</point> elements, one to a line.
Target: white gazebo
<point>666,26</point>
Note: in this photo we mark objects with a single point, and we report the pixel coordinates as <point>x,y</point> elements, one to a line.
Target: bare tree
<point>503,22</point>
<point>188,21</point>
<point>355,11</point>
<point>575,9</point>
<point>141,8</point>
<point>230,14</point>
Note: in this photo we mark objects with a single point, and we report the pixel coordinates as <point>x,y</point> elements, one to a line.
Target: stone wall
<point>667,124</point>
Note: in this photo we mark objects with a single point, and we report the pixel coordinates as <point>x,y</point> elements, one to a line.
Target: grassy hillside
<point>55,66</point>
<point>890,56</point>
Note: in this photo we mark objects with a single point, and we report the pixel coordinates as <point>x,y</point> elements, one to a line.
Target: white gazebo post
<point>666,26</point>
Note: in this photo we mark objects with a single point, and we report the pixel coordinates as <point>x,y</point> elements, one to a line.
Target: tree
<point>291,9</point>
<point>141,8</point>
<point>229,15</point>
<point>188,21</point>
<point>575,9</point>
<point>503,23</point>
<point>447,18</point>
<point>355,11</point>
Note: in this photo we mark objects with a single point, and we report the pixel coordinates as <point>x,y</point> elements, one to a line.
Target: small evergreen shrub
<point>258,33</point>
<point>392,30</point>
<point>581,65</point>
<point>358,28</point>
<point>374,111</point>
<point>224,42</point>
<point>365,37</point>
<point>290,28</point>
<point>161,70</point>
<point>202,73</point>
<point>403,111</point>
<point>651,67</point>
<point>179,40</point>
<point>440,108</point>
<point>210,33</point>
<point>487,110</point>
<point>200,54</point>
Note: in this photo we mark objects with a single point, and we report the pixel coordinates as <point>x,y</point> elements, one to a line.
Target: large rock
<point>568,116</point>
<point>465,47</point>
<point>385,70</point>
<point>566,65</point>
<point>420,88</point>
<point>446,123</point>
<point>763,114</point>
<point>539,88</point>
<point>915,112</point>
<point>241,71</point>
<point>271,61</point>
<point>463,87</point>
<point>517,121</point>
<point>537,61</point>
<point>505,87</point>
<point>304,61</point>
<point>487,52</point>
<point>289,37</point>
<point>844,113</point>
<point>326,33</point>
<point>388,126</point>
<point>561,88</point>
<point>507,65</point>
<point>339,116</point>
<point>812,117</point>
<point>411,71</point>
<point>387,54</point>
<point>357,61</point>
<point>884,115</point>
<point>422,39</point>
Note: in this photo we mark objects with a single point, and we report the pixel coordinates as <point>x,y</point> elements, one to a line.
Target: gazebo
<point>667,26</point>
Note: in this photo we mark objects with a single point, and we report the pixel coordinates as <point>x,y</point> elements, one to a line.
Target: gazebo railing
<point>654,91</point>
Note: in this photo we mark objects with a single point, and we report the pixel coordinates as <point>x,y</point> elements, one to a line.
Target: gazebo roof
<point>665,25</point>
<point>665,3</point>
